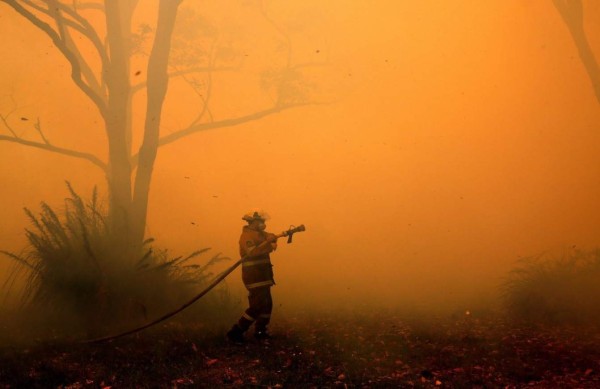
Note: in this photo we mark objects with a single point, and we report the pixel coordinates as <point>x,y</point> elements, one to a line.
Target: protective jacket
<point>257,270</point>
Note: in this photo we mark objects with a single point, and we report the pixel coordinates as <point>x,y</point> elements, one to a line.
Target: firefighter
<point>257,275</point>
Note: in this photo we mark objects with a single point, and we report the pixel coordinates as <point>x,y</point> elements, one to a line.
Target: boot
<point>236,335</point>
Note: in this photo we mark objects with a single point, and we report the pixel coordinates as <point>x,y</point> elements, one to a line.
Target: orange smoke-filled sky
<point>458,137</point>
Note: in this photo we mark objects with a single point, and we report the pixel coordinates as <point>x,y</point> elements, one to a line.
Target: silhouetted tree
<point>571,12</point>
<point>110,89</point>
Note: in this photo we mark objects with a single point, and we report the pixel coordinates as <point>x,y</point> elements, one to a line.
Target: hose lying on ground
<point>214,283</point>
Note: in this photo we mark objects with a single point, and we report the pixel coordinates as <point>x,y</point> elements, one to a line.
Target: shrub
<point>559,290</point>
<point>74,276</point>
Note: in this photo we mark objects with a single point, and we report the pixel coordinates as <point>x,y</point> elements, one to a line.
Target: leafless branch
<point>60,150</point>
<point>46,145</point>
<point>278,106</point>
<point>4,118</point>
<point>78,23</point>
<point>90,33</point>
<point>69,55</point>
<point>205,99</point>
<point>55,11</point>
<point>38,127</point>
<point>167,139</point>
<point>182,72</point>
<point>8,127</point>
<point>46,11</point>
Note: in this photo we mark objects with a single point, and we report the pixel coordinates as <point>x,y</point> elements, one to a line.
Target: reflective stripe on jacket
<point>257,268</point>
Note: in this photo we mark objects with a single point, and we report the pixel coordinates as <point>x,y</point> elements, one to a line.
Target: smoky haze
<point>450,140</point>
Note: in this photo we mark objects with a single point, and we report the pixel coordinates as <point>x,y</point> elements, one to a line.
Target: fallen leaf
<point>211,362</point>
<point>183,381</point>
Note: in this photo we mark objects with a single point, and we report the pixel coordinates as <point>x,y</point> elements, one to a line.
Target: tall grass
<point>563,289</point>
<point>74,275</point>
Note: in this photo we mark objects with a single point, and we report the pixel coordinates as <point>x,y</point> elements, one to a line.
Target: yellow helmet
<point>255,215</point>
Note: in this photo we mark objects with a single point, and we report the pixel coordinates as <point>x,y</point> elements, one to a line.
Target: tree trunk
<point>157,88</point>
<point>571,12</point>
<point>587,57</point>
<point>118,25</point>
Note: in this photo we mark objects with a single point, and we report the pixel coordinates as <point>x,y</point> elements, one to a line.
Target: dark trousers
<point>259,311</point>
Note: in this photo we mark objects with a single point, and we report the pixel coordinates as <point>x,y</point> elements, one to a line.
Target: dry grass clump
<point>557,290</point>
<point>76,278</point>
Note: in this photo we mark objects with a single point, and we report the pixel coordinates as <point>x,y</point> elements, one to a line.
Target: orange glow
<point>458,137</point>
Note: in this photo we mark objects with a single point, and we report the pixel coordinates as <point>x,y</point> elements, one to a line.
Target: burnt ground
<point>373,350</point>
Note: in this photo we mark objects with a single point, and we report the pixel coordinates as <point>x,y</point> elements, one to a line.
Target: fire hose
<point>289,233</point>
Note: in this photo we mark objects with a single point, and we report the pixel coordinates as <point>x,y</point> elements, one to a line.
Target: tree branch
<point>83,27</point>
<point>167,139</point>
<point>38,127</point>
<point>5,121</point>
<point>46,11</point>
<point>571,12</point>
<point>46,144</point>
<point>141,85</point>
<point>54,8</point>
<point>14,134</point>
<point>205,99</point>
<point>75,66</point>
<point>90,32</point>
<point>60,150</point>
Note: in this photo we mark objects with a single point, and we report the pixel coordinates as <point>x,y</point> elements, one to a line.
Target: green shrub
<point>558,290</point>
<point>74,276</point>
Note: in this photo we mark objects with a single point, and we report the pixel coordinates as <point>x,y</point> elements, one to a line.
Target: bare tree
<point>110,90</point>
<point>571,12</point>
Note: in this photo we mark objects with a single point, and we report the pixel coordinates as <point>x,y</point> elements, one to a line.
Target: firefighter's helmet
<point>255,215</point>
